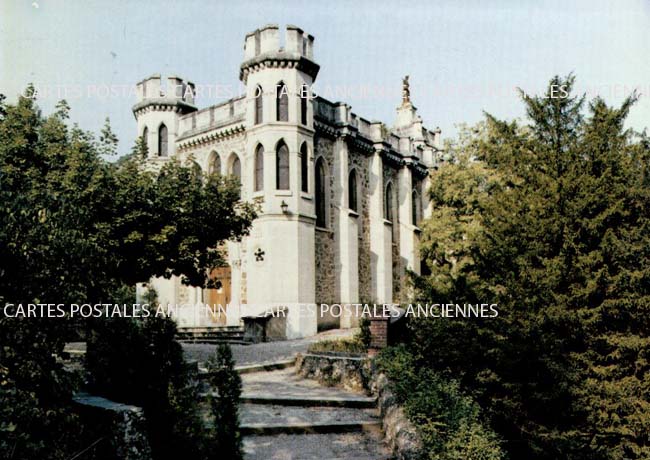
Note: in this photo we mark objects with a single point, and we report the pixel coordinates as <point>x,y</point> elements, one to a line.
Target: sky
<point>464,58</point>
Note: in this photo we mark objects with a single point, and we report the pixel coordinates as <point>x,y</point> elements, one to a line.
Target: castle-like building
<point>340,197</point>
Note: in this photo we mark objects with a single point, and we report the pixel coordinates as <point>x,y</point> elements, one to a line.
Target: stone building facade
<point>340,197</point>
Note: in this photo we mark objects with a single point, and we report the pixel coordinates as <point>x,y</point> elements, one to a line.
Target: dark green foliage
<point>449,423</point>
<point>139,362</point>
<point>364,332</point>
<point>75,228</point>
<point>225,436</point>
<point>551,222</point>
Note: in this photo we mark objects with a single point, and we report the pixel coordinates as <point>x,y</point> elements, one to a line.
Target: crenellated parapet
<point>262,50</point>
<point>176,95</point>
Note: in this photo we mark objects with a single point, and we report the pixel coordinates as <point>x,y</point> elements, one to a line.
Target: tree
<point>75,228</point>
<point>225,435</point>
<point>550,221</point>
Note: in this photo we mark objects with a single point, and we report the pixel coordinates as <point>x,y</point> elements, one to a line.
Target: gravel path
<point>264,352</point>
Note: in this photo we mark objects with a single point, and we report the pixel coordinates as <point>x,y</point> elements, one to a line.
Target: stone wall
<point>400,434</point>
<point>120,427</point>
<point>360,161</point>
<point>352,373</point>
<point>326,272</point>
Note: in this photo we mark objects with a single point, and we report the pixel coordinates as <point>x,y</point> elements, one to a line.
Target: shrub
<point>348,346</point>
<point>226,438</point>
<point>449,422</point>
<point>139,362</point>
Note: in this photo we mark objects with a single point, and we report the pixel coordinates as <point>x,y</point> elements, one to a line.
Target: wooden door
<point>219,298</point>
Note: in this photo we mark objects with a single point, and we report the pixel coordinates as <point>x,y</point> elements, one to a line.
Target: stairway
<point>286,417</point>
<point>233,335</point>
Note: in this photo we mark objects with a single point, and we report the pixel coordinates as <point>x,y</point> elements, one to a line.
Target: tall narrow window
<point>320,193</point>
<point>304,97</point>
<point>259,168</point>
<point>259,106</point>
<point>235,168</point>
<point>416,207</point>
<point>282,167</point>
<point>196,170</point>
<point>162,141</point>
<point>352,190</point>
<point>282,102</point>
<point>388,203</point>
<point>145,137</point>
<point>215,163</point>
<point>304,168</point>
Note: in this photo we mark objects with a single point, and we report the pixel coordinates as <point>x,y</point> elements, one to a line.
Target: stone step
<point>339,446</point>
<point>212,335</point>
<point>251,368</point>
<point>268,429</point>
<point>286,383</point>
<point>214,341</point>
<point>358,402</point>
<point>267,419</point>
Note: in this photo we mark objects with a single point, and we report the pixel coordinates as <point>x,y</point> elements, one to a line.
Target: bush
<point>449,422</point>
<point>364,335</point>
<point>139,362</point>
<point>344,346</point>
<point>225,436</point>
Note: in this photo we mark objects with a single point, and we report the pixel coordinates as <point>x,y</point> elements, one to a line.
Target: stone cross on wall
<point>259,255</point>
<point>406,91</point>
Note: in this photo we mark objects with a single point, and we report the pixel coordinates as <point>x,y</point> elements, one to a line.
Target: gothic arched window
<point>282,167</point>
<point>259,105</point>
<point>196,170</point>
<point>214,167</point>
<point>320,193</point>
<point>388,202</point>
<point>416,207</point>
<point>352,190</point>
<point>282,102</point>
<point>162,141</point>
<point>145,136</point>
<point>304,168</point>
<point>235,167</point>
<point>304,97</point>
<point>259,168</point>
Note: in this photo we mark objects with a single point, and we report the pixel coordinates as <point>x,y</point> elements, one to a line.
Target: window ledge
<point>305,195</point>
<point>283,193</point>
<point>388,222</point>
<point>258,194</point>
<point>324,230</point>
<point>352,213</point>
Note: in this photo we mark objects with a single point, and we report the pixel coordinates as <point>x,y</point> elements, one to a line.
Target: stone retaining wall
<point>400,434</point>
<point>120,428</point>
<point>352,373</point>
<point>358,374</point>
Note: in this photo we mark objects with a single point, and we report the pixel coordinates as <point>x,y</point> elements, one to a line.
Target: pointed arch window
<point>235,167</point>
<point>282,102</point>
<point>304,96</point>
<point>352,191</point>
<point>282,166</point>
<point>304,168</point>
<point>320,193</point>
<point>162,141</point>
<point>259,105</point>
<point>145,141</point>
<point>259,168</point>
<point>215,163</point>
<point>388,202</point>
<point>416,210</point>
<point>197,172</point>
